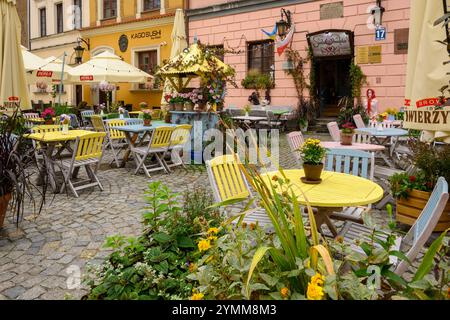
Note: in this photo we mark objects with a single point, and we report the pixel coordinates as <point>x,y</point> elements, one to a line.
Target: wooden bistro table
<point>249,119</point>
<point>135,134</point>
<point>384,138</point>
<point>48,142</point>
<point>337,190</point>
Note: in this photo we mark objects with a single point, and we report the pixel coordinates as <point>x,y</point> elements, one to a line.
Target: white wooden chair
<point>335,133</point>
<point>359,121</point>
<point>354,162</point>
<point>158,145</point>
<point>27,116</point>
<point>228,183</point>
<point>180,137</point>
<point>85,118</point>
<point>88,150</point>
<point>412,243</point>
<point>296,140</point>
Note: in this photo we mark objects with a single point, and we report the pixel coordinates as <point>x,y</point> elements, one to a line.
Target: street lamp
<point>79,49</point>
<point>377,13</point>
<point>284,25</point>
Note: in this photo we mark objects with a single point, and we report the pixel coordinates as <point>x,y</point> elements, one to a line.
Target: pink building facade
<point>238,24</point>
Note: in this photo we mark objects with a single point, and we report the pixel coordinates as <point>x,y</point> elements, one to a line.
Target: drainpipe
<point>186,20</point>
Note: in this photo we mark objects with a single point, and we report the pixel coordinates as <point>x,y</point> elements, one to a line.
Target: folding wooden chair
<point>88,150</point>
<point>86,122</point>
<point>97,123</point>
<point>359,121</point>
<point>296,141</point>
<point>180,136</point>
<point>412,243</point>
<point>354,162</point>
<point>115,139</point>
<point>158,146</point>
<point>38,155</point>
<point>335,133</point>
<point>27,116</point>
<point>228,182</point>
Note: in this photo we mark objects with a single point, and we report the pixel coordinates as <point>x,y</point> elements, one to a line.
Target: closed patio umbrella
<point>179,43</point>
<point>13,85</point>
<point>426,73</point>
<point>107,67</point>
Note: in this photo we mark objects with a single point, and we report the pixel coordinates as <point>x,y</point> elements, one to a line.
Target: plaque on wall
<point>362,55</point>
<point>401,37</point>
<point>375,54</point>
<point>331,10</point>
<point>331,43</point>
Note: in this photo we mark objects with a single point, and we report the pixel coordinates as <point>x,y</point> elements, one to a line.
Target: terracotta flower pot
<point>408,210</point>
<point>4,201</point>
<point>171,106</point>
<point>147,122</point>
<point>346,139</point>
<point>189,106</point>
<point>201,106</point>
<point>179,106</point>
<point>313,171</point>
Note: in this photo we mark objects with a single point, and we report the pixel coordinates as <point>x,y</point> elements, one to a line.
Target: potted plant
<point>188,103</point>
<point>143,105</point>
<point>412,191</point>
<point>312,154</point>
<point>64,119</point>
<point>121,111</point>
<point>380,118</point>
<point>147,116</point>
<point>347,132</point>
<point>258,81</point>
<point>48,115</point>
<point>15,163</point>
<point>391,114</point>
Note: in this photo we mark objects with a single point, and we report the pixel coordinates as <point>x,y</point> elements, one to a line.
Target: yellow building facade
<point>139,34</point>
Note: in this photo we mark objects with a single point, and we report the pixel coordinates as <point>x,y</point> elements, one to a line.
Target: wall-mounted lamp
<point>284,25</point>
<point>79,49</point>
<point>377,13</point>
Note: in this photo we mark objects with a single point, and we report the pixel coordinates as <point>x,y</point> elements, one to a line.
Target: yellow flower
<point>314,292</point>
<point>213,231</point>
<point>212,238</point>
<point>284,292</point>
<point>197,296</point>
<point>318,279</point>
<point>204,245</point>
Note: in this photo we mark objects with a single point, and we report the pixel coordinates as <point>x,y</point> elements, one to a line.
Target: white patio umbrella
<point>179,43</point>
<point>49,70</point>
<point>426,73</point>
<point>13,85</point>
<point>107,67</point>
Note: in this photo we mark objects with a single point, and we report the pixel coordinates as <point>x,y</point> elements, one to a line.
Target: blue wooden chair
<point>354,162</point>
<point>413,241</point>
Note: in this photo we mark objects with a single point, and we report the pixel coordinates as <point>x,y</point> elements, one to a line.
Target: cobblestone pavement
<point>37,259</point>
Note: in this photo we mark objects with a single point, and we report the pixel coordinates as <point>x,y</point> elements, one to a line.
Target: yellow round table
<point>336,190</point>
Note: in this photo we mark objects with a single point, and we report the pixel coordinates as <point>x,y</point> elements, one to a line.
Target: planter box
<point>408,210</point>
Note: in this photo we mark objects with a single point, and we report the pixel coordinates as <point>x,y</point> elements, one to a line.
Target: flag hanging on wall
<point>273,34</point>
<point>283,44</point>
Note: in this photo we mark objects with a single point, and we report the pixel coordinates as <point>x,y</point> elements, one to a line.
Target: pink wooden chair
<point>335,133</point>
<point>359,121</point>
<point>295,140</point>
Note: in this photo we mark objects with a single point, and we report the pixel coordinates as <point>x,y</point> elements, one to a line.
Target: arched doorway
<point>332,53</point>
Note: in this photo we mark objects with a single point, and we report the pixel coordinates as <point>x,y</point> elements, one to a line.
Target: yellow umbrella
<point>426,73</point>
<point>179,43</point>
<point>13,84</point>
<point>190,63</point>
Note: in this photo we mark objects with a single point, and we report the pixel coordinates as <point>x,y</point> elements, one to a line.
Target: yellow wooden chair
<point>156,114</point>
<point>229,183</point>
<point>180,137</point>
<point>88,150</point>
<point>115,138</point>
<point>158,145</point>
<point>97,123</point>
<point>37,146</point>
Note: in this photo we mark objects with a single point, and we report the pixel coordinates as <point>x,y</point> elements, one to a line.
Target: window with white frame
<point>150,5</point>
<point>147,62</point>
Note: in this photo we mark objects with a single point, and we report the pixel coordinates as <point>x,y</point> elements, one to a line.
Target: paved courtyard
<point>41,258</point>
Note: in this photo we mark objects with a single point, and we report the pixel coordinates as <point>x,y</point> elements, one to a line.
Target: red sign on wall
<point>13,98</point>
<point>44,74</point>
<point>86,78</point>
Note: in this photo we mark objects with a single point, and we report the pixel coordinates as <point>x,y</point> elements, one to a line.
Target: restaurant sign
<point>44,74</point>
<point>86,78</point>
<point>331,43</point>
